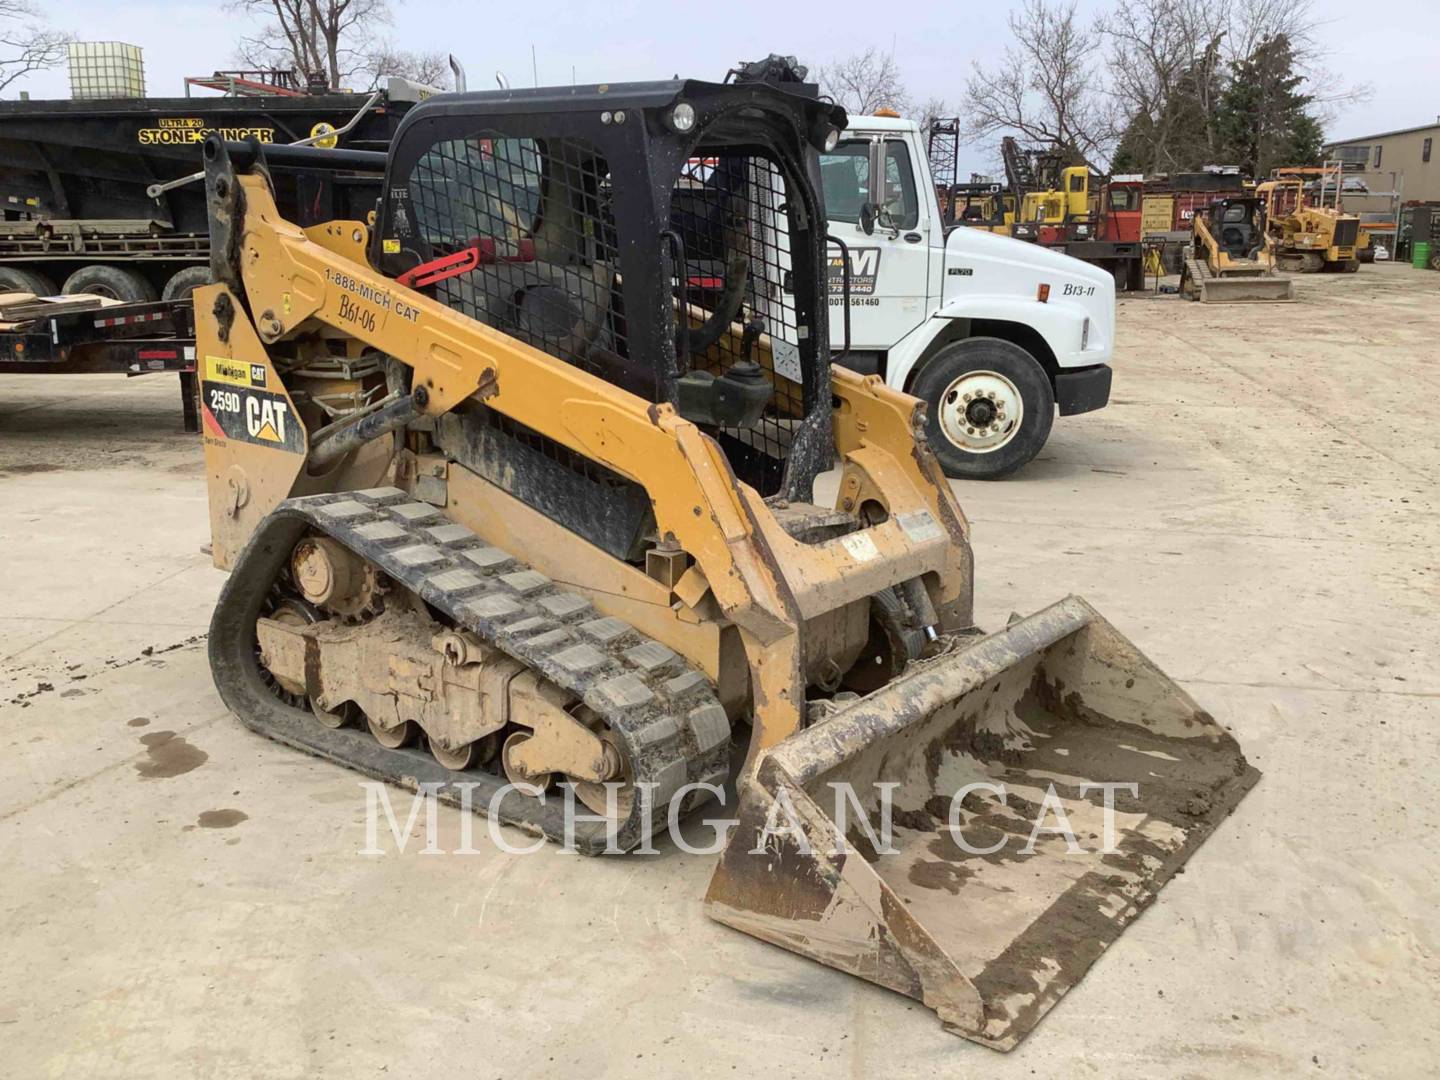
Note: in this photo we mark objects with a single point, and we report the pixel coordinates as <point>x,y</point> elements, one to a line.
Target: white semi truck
<point>994,334</point>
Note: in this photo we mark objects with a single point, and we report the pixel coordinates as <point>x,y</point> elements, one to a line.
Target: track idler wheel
<point>334,718</point>
<point>462,758</point>
<point>394,738</point>
<point>595,796</point>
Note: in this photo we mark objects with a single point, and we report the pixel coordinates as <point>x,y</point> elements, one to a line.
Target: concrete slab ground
<point>1256,509</point>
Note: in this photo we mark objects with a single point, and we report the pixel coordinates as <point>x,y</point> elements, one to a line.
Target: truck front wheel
<point>990,407</point>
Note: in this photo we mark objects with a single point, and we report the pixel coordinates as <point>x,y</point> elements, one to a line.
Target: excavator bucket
<point>981,905</point>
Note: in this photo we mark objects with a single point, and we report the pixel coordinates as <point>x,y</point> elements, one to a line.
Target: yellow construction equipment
<point>1304,238</point>
<point>516,482</point>
<point>1228,260</point>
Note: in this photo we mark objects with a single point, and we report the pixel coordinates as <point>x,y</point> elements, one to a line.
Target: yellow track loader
<point>1304,239</point>
<point>1229,260</point>
<point>516,485</point>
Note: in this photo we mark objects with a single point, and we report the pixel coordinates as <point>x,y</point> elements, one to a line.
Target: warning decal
<point>249,415</point>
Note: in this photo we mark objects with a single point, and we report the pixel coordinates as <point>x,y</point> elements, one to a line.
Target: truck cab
<point>994,334</point>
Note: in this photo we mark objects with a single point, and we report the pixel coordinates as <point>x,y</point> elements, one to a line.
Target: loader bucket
<point>1243,288</point>
<point>989,935</point>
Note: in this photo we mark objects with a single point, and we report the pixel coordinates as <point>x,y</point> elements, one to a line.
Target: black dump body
<point>92,160</point>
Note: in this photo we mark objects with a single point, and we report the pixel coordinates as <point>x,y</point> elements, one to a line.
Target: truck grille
<point>1346,233</point>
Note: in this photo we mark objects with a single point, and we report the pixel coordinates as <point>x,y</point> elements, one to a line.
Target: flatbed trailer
<point>56,336</point>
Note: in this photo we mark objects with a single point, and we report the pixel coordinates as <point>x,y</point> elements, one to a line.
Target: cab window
<point>1124,198</point>
<point>900,199</point>
<point>482,186</point>
<point>845,176</point>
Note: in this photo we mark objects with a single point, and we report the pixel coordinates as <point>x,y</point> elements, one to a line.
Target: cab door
<point>890,268</point>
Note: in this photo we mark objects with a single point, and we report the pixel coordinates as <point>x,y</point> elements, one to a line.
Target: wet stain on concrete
<point>139,721</point>
<point>169,755</point>
<point>221,819</point>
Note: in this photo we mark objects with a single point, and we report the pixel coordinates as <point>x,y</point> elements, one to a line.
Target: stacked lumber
<point>20,308</point>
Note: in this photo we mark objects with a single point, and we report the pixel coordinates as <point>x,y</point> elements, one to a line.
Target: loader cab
<point>666,237</point>
<point>1076,182</point>
<point>1237,226</point>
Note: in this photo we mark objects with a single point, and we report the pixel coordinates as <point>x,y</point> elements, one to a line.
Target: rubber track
<point>664,711</point>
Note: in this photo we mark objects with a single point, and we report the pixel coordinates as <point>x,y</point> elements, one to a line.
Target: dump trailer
<point>1228,260</point>
<point>511,494</point>
<point>88,199</point>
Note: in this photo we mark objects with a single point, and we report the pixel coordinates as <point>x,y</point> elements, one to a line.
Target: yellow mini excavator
<point>515,483</point>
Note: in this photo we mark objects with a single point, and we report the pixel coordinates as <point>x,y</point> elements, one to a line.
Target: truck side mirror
<point>867,218</point>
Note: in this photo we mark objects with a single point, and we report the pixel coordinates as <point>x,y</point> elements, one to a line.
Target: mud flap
<point>970,908</point>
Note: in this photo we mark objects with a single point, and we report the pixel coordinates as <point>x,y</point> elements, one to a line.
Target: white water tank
<point>105,69</point>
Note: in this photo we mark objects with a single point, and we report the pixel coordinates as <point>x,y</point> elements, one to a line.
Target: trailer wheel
<point>184,282</point>
<point>18,279</point>
<point>990,407</point>
<point>115,282</point>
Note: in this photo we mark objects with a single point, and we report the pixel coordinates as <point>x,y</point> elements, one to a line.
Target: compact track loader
<point>516,485</point>
<point>1229,260</point>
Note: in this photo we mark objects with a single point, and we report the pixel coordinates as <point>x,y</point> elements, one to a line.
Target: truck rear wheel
<point>990,407</point>
<point>18,279</point>
<point>115,282</point>
<point>184,282</point>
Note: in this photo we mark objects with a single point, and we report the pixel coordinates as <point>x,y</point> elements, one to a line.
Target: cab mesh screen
<point>549,268</point>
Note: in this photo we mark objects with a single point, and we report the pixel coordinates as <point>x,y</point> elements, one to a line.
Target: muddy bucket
<point>969,907</point>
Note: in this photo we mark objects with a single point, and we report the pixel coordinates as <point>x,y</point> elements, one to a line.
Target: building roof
<point>1383,134</point>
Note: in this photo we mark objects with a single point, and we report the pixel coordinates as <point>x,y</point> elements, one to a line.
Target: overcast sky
<point>1391,44</point>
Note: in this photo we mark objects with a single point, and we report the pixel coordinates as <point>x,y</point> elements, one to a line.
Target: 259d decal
<point>234,411</point>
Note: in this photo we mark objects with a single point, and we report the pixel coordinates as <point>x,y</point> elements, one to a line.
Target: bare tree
<point>1045,87</point>
<point>320,38</point>
<point>430,68</point>
<point>864,82</point>
<point>1254,22</point>
<point>1164,63</point>
<point>26,43</point>
<point>931,108</point>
